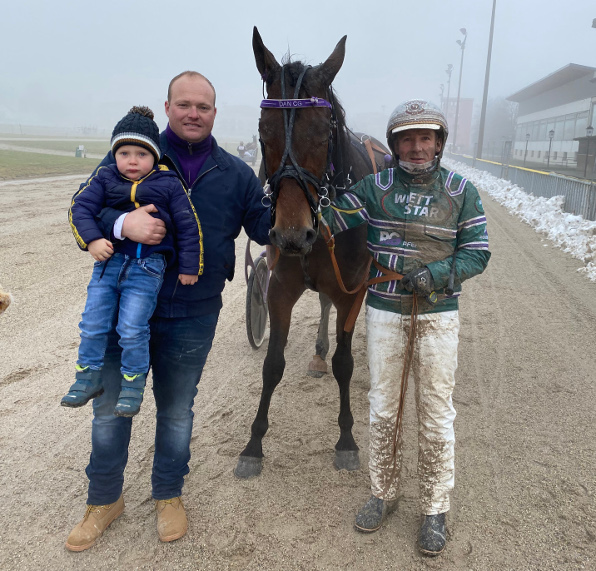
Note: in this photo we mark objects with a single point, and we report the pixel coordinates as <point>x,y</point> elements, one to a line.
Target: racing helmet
<point>417,114</point>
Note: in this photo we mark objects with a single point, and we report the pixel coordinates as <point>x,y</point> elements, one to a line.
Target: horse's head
<point>296,139</point>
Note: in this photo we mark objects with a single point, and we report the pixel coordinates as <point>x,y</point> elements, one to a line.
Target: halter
<point>294,170</point>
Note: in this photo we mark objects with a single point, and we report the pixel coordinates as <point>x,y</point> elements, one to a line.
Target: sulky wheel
<point>256,303</point>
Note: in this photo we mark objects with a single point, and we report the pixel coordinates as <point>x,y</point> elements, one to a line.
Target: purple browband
<point>295,103</point>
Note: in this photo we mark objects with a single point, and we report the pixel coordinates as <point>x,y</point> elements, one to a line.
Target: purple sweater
<point>192,156</point>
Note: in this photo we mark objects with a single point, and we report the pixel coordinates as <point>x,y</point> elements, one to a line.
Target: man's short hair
<point>189,74</point>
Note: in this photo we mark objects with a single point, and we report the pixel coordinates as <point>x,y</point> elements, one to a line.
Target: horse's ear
<point>328,70</point>
<point>266,61</point>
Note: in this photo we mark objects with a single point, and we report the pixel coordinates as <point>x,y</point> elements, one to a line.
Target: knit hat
<point>137,128</point>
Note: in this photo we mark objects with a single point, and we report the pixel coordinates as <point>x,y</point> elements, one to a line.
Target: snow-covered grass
<point>573,234</point>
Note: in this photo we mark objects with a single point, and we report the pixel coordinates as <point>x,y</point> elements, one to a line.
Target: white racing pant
<point>433,370</point>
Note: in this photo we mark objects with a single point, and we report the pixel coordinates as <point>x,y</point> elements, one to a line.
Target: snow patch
<point>572,234</point>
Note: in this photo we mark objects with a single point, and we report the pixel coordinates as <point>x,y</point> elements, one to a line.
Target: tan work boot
<point>93,524</point>
<point>171,519</point>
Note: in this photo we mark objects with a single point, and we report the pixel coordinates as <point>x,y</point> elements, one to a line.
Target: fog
<point>81,65</point>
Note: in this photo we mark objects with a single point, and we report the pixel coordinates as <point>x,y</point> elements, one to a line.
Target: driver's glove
<point>419,280</point>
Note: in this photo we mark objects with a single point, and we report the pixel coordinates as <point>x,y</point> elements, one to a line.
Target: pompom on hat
<point>137,127</point>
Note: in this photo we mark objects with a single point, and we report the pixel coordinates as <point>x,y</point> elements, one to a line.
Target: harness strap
<point>371,155</point>
<point>330,241</point>
<point>272,253</point>
<point>361,288</point>
<point>388,275</point>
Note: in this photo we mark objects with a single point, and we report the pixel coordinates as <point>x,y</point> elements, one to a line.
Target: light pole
<point>589,133</point>
<point>486,78</point>
<point>526,153</point>
<point>462,45</point>
<point>448,72</point>
<point>551,134</point>
<point>441,94</point>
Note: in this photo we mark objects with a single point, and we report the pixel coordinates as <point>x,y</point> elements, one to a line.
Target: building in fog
<point>560,105</point>
<point>460,138</point>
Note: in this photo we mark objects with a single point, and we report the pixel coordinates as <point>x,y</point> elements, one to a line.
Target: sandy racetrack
<point>526,430</point>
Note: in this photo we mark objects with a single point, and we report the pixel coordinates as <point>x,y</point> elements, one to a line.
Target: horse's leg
<point>317,367</point>
<point>281,300</point>
<point>346,449</point>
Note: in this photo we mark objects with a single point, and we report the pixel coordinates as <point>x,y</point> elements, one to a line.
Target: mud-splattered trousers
<point>433,374</point>
<point>436,221</point>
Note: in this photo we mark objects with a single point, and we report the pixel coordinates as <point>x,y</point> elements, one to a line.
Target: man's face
<point>417,146</point>
<point>134,162</point>
<point>191,109</point>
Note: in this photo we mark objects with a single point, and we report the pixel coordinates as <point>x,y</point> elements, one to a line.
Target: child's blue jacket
<point>162,188</point>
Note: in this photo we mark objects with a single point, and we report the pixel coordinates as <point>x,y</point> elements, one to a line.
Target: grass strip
<point>15,165</point>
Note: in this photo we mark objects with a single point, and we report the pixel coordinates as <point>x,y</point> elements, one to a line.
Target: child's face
<point>134,162</point>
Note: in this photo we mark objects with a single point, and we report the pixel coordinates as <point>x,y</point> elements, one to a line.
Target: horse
<point>308,154</point>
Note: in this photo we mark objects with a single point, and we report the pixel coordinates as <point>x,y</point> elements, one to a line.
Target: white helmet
<point>417,114</point>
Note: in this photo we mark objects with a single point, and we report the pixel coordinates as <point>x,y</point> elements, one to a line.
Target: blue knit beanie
<point>137,127</point>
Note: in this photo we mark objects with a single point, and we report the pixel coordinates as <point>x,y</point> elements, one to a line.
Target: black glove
<point>419,280</point>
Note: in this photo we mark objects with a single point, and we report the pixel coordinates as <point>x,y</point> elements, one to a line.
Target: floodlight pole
<point>448,72</point>
<point>462,44</point>
<point>486,80</point>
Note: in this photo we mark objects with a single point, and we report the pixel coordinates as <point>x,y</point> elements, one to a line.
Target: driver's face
<point>417,146</point>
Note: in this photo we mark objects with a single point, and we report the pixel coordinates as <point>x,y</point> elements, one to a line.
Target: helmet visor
<point>433,126</point>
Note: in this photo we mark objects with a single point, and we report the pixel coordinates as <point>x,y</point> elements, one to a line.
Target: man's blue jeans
<point>122,289</point>
<point>179,349</point>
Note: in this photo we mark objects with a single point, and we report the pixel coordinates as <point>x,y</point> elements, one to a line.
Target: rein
<point>360,290</point>
<point>405,373</point>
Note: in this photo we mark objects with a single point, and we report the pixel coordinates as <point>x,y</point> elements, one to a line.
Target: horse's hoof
<point>248,467</point>
<point>346,460</point>
<point>317,367</point>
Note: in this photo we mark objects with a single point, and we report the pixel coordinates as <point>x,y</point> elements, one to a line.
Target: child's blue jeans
<point>122,290</point>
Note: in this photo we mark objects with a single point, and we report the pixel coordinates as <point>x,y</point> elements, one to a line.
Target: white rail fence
<point>580,195</point>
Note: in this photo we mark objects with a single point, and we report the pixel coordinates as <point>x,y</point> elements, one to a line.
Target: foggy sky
<point>85,63</point>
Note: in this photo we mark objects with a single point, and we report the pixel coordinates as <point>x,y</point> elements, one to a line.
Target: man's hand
<point>140,226</point>
<point>419,280</point>
<point>101,249</point>
<point>185,279</point>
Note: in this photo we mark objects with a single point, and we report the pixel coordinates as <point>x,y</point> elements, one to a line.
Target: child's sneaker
<point>131,395</point>
<point>87,386</point>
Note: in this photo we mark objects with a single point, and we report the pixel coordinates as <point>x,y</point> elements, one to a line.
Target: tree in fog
<point>499,126</point>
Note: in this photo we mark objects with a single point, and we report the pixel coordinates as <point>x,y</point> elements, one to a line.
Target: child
<point>127,276</point>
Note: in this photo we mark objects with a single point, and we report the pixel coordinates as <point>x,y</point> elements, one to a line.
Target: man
<point>427,231</point>
<point>227,196</point>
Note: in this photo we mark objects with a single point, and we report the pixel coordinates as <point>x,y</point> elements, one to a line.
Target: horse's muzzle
<point>294,242</point>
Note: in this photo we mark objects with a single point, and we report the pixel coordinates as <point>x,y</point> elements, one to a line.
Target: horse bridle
<point>302,176</point>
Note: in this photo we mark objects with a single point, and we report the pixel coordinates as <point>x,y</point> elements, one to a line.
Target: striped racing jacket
<point>416,221</point>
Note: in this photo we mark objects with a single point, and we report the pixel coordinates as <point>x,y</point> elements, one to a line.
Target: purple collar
<point>294,103</point>
<point>191,156</point>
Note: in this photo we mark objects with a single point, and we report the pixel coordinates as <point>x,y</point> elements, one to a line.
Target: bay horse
<point>307,154</point>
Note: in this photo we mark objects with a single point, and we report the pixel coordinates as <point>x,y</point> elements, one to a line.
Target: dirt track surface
<point>525,431</point>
